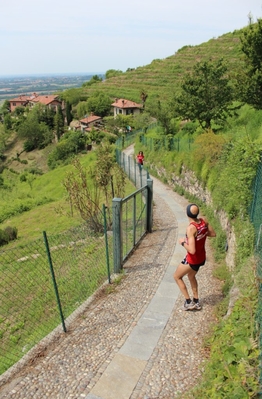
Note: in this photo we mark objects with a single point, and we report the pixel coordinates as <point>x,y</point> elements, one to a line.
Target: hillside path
<point>137,342</point>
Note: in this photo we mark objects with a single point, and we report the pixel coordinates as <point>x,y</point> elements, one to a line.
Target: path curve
<point>135,342</point>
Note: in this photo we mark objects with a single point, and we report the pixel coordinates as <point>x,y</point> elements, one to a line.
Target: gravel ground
<point>71,365</point>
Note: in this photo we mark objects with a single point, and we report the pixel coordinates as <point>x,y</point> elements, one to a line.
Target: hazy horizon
<point>49,37</point>
<point>25,75</point>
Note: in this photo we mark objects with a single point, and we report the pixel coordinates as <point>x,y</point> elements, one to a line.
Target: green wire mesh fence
<point>256,218</point>
<point>134,220</point>
<point>137,174</point>
<point>168,143</point>
<point>29,306</point>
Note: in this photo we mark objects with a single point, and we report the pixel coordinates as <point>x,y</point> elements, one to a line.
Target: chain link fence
<point>43,282</point>
<point>256,218</point>
<point>168,143</point>
<point>136,209</point>
<point>136,173</point>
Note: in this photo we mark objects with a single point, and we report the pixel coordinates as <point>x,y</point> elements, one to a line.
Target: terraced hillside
<point>162,77</point>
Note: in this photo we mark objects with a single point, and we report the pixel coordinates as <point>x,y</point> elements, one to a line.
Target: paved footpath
<point>123,372</point>
<point>135,342</point>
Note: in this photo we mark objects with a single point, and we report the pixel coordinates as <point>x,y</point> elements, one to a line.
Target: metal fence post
<point>117,233</point>
<point>106,244</point>
<point>54,281</point>
<point>134,220</point>
<point>149,205</point>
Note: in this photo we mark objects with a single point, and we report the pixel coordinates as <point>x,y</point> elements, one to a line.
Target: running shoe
<point>189,306</point>
<point>197,306</point>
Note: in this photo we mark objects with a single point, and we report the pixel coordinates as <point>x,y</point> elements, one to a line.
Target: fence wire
<point>256,218</point>
<point>134,220</point>
<point>137,174</point>
<point>29,310</point>
<point>168,143</point>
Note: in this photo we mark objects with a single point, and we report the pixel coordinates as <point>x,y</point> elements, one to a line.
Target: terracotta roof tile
<point>91,118</point>
<point>44,99</point>
<point>19,98</point>
<point>122,103</point>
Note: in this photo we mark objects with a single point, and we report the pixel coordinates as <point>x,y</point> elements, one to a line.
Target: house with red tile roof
<point>126,107</point>
<point>51,101</point>
<point>21,101</point>
<point>89,122</point>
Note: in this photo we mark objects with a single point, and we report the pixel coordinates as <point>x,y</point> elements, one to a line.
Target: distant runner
<point>140,159</point>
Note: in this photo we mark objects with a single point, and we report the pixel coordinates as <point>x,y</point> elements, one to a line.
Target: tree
<point>94,79</point>
<point>37,135</point>
<point>59,123</point>
<point>111,73</point>
<point>7,122</point>
<point>86,198</point>
<point>143,96</point>
<point>163,112</point>
<point>3,139</point>
<point>142,121</point>
<point>251,87</point>
<point>44,114</point>
<point>206,94</point>
<point>118,124</point>
<point>5,109</point>
<point>70,144</point>
<point>104,172</point>
<point>81,109</point>
<point>99,103</point>
<point>73,96</point>
<point>69,116</point>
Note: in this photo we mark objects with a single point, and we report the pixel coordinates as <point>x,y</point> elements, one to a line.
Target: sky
<point>83,36</point>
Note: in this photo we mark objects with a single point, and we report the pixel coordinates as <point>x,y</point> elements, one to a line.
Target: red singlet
<point>200,239</point>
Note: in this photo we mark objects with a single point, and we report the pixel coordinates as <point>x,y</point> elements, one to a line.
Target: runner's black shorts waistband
<point>194,267</point>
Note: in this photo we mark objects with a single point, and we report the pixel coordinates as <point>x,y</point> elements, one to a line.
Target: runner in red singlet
<point>194,243</point>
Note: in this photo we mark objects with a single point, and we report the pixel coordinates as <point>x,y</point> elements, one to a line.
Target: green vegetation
<point>252,80</point>
<point>226,165</point>
<point>161,79</point>
<point>79,263</point>
<point>39,203</point>
<point>209,135</point>
<point>206,94</point>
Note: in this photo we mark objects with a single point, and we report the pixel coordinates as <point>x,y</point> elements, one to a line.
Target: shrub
<point>3,238</point>
<point>11,233</point>
<point>8,234</point>
<point>29,146</point>
<point>22,177</point>
<point>35,171</point>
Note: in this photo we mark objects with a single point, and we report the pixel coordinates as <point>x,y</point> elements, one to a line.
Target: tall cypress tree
<point>59,123</point>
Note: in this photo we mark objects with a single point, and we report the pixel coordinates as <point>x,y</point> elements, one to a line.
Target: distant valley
<point>13,86</point>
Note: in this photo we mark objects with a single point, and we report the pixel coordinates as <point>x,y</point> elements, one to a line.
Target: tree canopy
<point>94,79</point>
<point>99,103</point>
<point>251,40</point>
<point>111,73</point>
<point>206,94</point>
<point>34,131</point>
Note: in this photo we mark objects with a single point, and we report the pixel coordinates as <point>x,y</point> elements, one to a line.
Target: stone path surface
<point>135,342</point>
